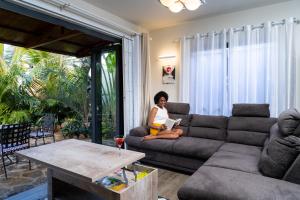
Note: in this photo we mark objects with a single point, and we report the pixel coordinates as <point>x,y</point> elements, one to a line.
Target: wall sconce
<point>166,57</point>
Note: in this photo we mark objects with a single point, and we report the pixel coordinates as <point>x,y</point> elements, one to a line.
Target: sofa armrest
<point>140,131</point>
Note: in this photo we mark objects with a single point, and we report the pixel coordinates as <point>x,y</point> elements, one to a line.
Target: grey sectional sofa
<point>223,154</point>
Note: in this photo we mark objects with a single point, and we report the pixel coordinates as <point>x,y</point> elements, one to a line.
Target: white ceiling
<point>150,14</point>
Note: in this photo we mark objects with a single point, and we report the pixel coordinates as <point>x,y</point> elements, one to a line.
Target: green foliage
<point>35,82</point>
<point>108,93</point>
<point>16,117</point>
<point>73,127</point>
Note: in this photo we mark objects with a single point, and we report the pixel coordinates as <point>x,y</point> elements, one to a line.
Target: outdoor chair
<point>13,138</point>
<point>45,130</point>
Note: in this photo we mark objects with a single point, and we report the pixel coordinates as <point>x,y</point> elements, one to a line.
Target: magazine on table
<point>171,123</point>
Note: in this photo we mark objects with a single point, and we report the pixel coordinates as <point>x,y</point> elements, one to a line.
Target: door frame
<point>96,91</point>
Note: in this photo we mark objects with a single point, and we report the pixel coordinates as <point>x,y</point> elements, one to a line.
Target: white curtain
<point>132,76</point>
<point>207,74</point>
<point>262,66</point>
<point>184,70</point>
<point>146,78</point>
<point>248,65</point>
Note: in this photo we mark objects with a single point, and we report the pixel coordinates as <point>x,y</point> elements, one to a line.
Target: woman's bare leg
<point>179,132</point>
<point>166,134</point>
<point>162,135</point>
<point>176,131</point>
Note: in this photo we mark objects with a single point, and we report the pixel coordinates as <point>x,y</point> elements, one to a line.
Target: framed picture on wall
<point>168,74</point>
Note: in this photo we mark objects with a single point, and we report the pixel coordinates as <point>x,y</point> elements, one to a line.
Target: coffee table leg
<point>134,172</point>
<point>50,186</point>
<point>124,175</point>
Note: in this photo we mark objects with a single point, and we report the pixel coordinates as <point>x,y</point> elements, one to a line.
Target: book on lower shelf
<point>112,183</point>
<point>117,182</point>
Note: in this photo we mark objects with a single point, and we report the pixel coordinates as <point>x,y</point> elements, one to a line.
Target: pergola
<point>24,31</point>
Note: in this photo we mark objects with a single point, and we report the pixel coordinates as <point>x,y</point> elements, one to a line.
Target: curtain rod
<point>296,21</point>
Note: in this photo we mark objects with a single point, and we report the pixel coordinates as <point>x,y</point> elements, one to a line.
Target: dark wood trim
<point>17,30</point>
<point>47,18</point>
<point>2,40</point>
<point>45,39</point>
<point>82,52</point>
<point>119,92</point>
<point>96,123</point>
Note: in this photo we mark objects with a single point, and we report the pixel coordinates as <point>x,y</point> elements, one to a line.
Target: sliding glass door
<point>108,94</point>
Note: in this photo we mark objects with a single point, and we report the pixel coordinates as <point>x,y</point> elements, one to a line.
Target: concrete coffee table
<point>74,166</point>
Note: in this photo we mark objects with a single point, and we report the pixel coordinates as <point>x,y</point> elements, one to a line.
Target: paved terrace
<point>20,178</point>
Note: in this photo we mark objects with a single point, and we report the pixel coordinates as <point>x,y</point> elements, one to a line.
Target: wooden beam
<point>5,41</point>
<point>17,30</point>
<point>87,50</point>
<point>47,39</point>
<point>11,42</point>
<point>56,51</point>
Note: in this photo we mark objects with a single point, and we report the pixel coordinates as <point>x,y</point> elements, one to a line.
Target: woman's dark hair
<point>159,95</point>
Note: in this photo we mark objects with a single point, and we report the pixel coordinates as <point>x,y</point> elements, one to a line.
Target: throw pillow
<point>288,121</point>
<point>297,131</point>
<point>278,156</point>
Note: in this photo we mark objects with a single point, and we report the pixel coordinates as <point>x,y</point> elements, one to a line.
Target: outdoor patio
<point>20,178</point>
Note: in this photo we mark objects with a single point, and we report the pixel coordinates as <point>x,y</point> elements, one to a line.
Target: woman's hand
<point>163,127</point>
<point>177,127</point>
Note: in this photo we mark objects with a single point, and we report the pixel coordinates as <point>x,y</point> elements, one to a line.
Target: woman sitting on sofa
<point>157,119</point>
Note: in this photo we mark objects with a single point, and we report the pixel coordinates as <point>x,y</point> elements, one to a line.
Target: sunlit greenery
<point>108,100</point>
<point>33,83</point>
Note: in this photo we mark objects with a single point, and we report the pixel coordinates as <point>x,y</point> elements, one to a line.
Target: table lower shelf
<point>63,186</point>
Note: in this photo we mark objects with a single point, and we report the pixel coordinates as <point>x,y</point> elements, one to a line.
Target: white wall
<point>164,40</point>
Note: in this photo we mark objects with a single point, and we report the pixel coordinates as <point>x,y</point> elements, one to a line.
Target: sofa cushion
<point>278,156</point>
<point>251,110</point>
<point>214,183</point>
<point>174,161</point>
<point>196,147</point>
<point>210,127</point>
<point>249,130</point>
<point>178,108</point>
<point>288,121</point>
<point>293,173</point>
<point>236,161</point>
<point>139,131</point>
<point>160,145</point>
<point>134,141</point>
<point>274,133</point>
<point>297,131</point>
<point>241,148</point>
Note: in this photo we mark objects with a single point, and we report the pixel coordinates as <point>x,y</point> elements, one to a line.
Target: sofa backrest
<point>250,124</point>
<point>209,127</point>
<point>180,110</point>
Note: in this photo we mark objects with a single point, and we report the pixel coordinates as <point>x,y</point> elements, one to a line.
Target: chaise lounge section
<point>223,153</point>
